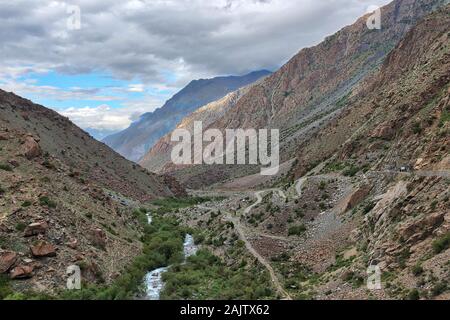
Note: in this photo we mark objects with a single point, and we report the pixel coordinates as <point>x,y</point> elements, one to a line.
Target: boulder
<point>357,196</point>
<point>21,272</point>
<point>7,260</point>
<point>73,244</point>
<point>36,228</point>
<point>422,228</point>
<point>99,238</point>
<point>31,148</point>
<point>384,131</point>
<point>42,249</point>
<point>14,163</point>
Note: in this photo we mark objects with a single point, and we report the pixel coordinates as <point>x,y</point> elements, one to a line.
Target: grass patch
<point>5,167</point>
<point>173,204</point>
<point>20,226</point>
<point>26,204</point>
<point>334,167</point>
<point>45,201</point>
<point>5,288</point>
<point>296,230</point>
<point>441,244</point>
<point>351,171</point>
<point>206,276</point>
<point>445,117</point>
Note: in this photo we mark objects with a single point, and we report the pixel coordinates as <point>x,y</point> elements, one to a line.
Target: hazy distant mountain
<point>100,134</point>
<point>159,155</point>
<point>136,140</point>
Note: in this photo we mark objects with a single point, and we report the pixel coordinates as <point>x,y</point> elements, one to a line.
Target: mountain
<point>392,143</point>
<point>66,198</point>
<point>158,158</point>
<point>136,140</point>
<point>363,211</point>
<point>312,88</point>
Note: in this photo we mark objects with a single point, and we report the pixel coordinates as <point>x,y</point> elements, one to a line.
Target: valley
<point>358,209</point>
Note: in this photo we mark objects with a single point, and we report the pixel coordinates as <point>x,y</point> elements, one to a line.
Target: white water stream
<point>153,279</point>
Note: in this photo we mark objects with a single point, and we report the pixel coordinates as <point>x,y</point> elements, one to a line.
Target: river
<point>153,279</point>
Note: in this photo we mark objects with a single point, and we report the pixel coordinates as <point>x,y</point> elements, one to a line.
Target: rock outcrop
<point>7,260</point>
<point>42,249</point>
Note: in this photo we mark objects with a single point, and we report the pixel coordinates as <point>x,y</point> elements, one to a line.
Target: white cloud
<point>136,87</point>
<point>102,117</point>
<point>147,39</point>
<point>157,45</point>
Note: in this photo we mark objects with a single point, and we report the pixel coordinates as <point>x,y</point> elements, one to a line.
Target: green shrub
<point>322,185</point>
<point>445,117</point>
<point>206,276</point>
<point>414,295</point>
<point>20,226</point>
<point>439,288</point>
<point>45,201</point>
<point>351,172</point>
<point>5,167</point>
<point>173,204</point>
<point>442,243</point>
<point>368,207</point>
<point>417,270</point>
<point>416,128</point>
<point>296,230</point>
<point>5,288</point>
<point>26,204</point>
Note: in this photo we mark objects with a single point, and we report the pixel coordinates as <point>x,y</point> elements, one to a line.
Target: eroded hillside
<point>66,199</point>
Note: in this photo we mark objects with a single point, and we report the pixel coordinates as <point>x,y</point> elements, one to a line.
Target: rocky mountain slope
<point>393,140</point>
<point>136,140</point>
<point>365,213</point>
<point>65,199</point>
<point>313,87</point>
<point>158,158</point>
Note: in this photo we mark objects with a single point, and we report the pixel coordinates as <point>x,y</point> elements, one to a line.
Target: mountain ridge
<point>312,88</point>
<point>136,140</point>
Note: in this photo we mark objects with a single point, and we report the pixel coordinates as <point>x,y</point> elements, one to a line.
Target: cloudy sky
<point>124,58</point>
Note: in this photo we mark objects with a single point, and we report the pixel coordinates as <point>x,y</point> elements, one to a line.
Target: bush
<point>351,172</point>
<point>26,204</point>
<point>206,276</point>
<point>416,128</point>
<point>442,243</point>
<point>322,185</point>
<point>5,288</point>
<point>45,201</point>
<point>20,226</point>
<point>296,230</point>
<point>417,270</point>
<point>173,204</point>
<point>368,207</point>
<point>414,295</point>
<point>5,167</point>
<point>439,288</point>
